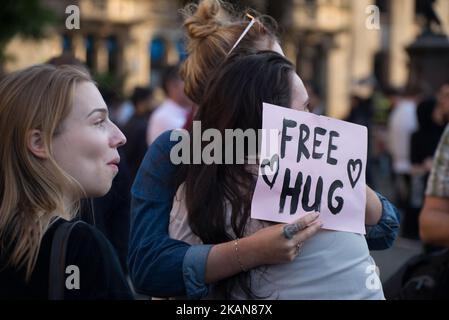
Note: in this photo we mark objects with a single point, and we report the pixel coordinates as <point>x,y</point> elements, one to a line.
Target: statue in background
<point>431,21</point>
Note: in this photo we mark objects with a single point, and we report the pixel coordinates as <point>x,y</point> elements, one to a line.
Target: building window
<point>112,47</point>
<point>158,59</point>
<point>67,43</point>
<point>158,52</point>
<point>89,43</point>
<point>182,50</point>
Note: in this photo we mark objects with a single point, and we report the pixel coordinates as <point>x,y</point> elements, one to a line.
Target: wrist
<point>249,253</point>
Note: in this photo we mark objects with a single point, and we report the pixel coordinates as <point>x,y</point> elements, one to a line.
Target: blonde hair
<point>31,189</point>
<point>212,28</point>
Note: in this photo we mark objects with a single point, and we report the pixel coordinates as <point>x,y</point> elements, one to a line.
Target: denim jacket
<point>164,267</point>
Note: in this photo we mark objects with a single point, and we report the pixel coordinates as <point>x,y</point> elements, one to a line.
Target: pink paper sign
<point>313,163</point>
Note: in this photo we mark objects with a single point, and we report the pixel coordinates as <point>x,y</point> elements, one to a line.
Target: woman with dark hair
<point>162,266</point>
<point>214,200</point>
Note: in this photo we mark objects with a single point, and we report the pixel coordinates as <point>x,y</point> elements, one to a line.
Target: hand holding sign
<point>320,166</point>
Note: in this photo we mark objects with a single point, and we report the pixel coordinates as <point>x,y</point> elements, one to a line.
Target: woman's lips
<point>114,164</point>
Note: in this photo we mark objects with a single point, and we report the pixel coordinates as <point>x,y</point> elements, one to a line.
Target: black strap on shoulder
<point>56,285</point>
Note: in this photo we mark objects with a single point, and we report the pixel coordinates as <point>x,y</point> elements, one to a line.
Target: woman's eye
<point>100,122</point>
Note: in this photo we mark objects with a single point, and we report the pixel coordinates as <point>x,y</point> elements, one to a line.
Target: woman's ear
<point>35,144</point>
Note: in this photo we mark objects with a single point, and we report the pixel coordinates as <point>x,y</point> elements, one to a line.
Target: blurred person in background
<point>402,123</point>
<point>174,111</point>
<point>361,113</point>
<point>434,217</point>
<point>136,128</point>
<point>432,117</point>
<point>123,113</point>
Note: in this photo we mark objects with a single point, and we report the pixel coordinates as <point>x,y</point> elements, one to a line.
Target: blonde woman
<point>57,146</point>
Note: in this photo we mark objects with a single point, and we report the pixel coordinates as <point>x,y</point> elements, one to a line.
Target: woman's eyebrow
<point>103,110</point>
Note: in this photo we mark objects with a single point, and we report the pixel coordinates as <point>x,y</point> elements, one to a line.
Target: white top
<point>168,116</point>
<point>401,125</point>
<point>331,265</point>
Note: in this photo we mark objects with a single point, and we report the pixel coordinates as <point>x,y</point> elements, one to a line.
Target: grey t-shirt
<point>331,265</point>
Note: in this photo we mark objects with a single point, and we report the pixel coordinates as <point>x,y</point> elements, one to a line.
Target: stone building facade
<point>334,43</point>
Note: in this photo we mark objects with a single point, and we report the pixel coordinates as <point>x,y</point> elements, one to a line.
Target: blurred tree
<point>26,18</point>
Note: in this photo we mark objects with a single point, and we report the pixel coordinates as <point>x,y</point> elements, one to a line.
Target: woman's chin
<point>100,191</point>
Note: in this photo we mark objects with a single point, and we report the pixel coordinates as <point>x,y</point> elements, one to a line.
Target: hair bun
<point>203,19</point>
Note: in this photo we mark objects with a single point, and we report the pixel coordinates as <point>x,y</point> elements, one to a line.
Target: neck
<point>69,203</point>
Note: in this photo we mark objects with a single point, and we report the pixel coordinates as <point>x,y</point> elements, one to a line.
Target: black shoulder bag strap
<point>56,278</point>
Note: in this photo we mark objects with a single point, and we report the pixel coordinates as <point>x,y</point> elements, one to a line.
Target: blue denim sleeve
<point>194,270</point>
<point>382,235</point>
<point>155,260</point>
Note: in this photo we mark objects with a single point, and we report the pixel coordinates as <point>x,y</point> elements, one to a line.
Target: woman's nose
<point>118,138</point>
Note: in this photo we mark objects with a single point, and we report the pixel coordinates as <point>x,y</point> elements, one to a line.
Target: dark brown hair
<point>233,100</point>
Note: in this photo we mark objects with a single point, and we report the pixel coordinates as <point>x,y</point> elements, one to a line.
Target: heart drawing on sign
<point>354,169</point>
<point>273,161</point>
